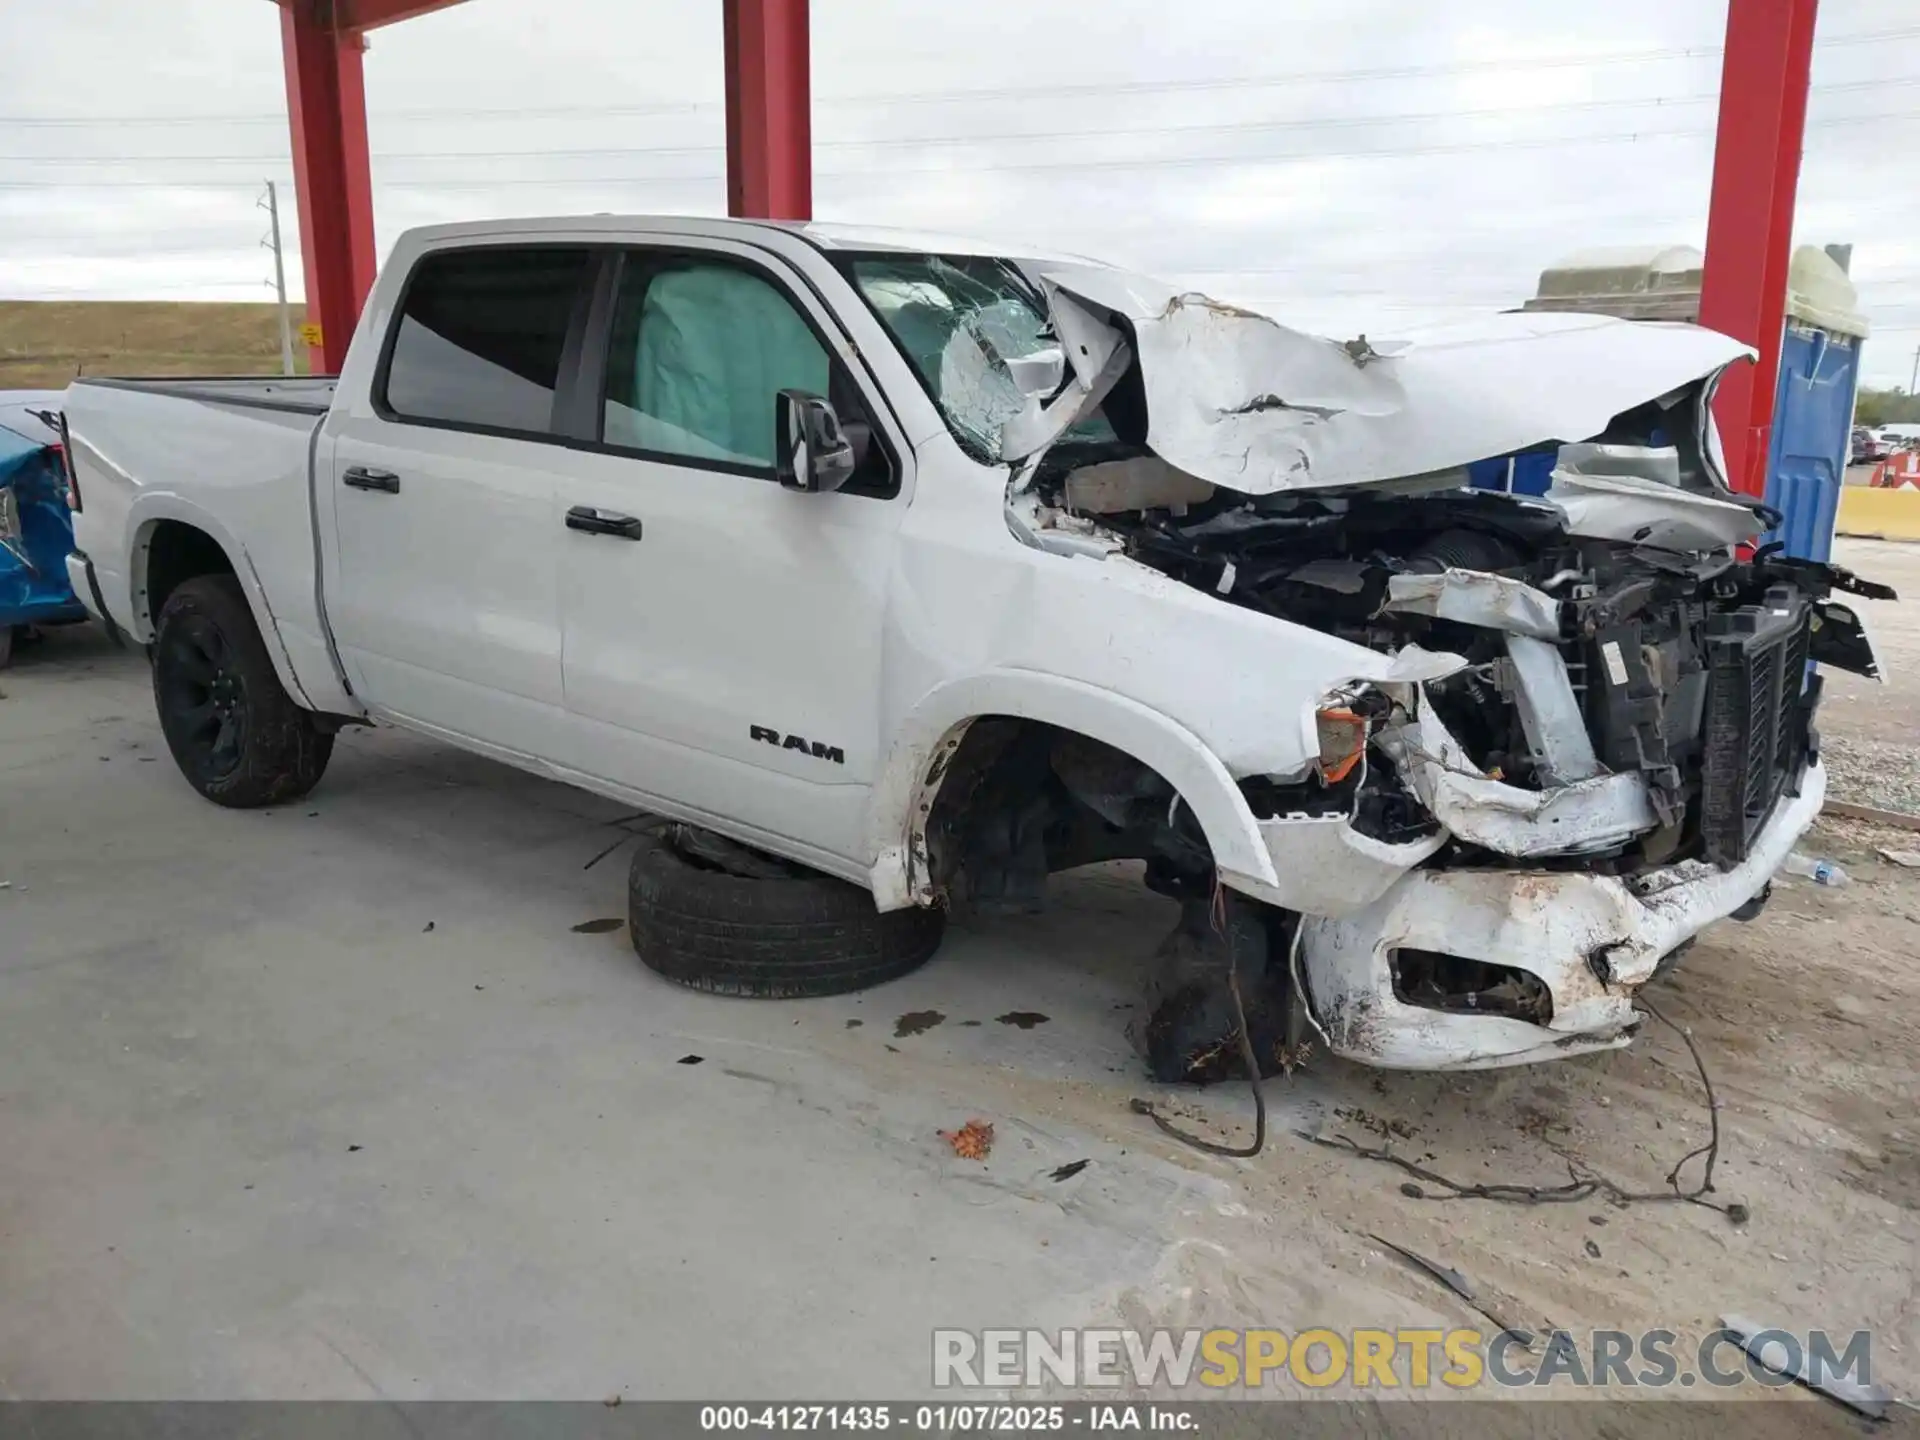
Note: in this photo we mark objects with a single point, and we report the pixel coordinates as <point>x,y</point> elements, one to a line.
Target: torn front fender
<point>915,769</point>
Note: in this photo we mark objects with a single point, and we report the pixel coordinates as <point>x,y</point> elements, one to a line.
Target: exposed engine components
<point>1590,659</point>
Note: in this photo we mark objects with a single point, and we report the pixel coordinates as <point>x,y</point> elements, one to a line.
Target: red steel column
<point>332,178</point>
<point>769,110</point>
<point>1756,173</point>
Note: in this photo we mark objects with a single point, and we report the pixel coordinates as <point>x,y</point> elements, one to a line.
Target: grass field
<point>45,343</point>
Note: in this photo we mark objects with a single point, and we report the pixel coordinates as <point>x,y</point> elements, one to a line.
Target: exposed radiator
<point>1755,734</point>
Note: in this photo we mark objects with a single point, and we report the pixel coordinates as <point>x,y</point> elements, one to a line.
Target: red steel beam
<point>769,109</point>
<point>332,177</point>
<point>1756,174</point>
<point>370,14</point>
<point>321,43</point>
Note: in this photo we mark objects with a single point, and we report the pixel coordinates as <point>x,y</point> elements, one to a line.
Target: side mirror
<point>812,452</point>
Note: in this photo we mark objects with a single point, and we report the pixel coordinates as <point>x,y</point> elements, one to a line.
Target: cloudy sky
<point>1349,165</point>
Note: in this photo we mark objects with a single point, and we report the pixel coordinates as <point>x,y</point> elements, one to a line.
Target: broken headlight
<point>1343,724</point>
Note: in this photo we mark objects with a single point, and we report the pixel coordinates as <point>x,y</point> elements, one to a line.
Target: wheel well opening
<point>1021,799</point>
<point>177,552</point>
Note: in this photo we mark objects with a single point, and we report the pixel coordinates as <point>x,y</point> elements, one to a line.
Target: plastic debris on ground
<point>1820,872</point>
<point>1776,1349</point>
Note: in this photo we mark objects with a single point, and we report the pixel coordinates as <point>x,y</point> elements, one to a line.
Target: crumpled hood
<point>1239,399</point>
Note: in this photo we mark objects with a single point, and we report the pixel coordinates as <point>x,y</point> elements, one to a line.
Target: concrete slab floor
<point>332,1100</point>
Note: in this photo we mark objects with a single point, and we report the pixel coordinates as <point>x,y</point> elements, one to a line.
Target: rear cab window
<point>481,340</point>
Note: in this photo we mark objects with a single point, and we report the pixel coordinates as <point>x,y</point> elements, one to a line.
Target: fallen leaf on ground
<point>971,1141</point>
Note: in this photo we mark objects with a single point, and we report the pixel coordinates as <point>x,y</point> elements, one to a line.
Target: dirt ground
<point>1808,1020</point>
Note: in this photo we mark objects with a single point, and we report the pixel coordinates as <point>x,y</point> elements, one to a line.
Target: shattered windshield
<point>959,320</point>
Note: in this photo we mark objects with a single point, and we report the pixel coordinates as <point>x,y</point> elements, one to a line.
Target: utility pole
<point>272,204</point>
<point>1915,381</point>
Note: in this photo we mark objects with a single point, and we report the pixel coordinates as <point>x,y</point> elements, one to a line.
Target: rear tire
<point>780,933</point>
<point>234,731</point>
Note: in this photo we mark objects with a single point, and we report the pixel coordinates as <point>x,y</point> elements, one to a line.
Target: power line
<point>127,184</point>
<point>1461,147</point>
<point>1335,122</point>
<point>1346,121</point>
<point>1173,161</point>
<point>924,97</point>
<point>221,244</point>
<point>1251,126</point>
<point>83,290</point>
<point>1533,223</point>
<point>1160,162</point>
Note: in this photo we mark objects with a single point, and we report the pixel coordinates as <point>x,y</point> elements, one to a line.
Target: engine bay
<point>1590,652</point>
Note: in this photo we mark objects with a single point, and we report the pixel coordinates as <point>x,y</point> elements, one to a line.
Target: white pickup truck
<point>895,562</point>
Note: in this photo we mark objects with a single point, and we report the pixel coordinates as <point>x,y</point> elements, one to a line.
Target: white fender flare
<point>148,511</point>
<point>903,792</point>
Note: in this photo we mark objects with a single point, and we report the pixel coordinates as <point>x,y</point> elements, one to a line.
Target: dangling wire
<point>1217,913</point>
<point>1579,1187</point>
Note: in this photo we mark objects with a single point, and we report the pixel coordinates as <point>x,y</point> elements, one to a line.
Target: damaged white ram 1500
<point>1061,565</point>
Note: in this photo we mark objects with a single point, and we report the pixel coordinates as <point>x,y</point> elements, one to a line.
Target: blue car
<point>36,528</point>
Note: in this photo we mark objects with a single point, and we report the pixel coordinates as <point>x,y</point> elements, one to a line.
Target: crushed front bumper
<point>1592,940</point>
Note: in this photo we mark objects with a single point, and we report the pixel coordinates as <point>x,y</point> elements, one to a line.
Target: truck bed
<point>302,394</point>
<point>223,455</point>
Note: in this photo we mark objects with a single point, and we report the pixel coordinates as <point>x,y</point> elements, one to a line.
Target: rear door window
<point>482,335</point>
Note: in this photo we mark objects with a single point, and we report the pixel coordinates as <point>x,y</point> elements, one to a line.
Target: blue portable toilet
<point>1813,409</point>
<point>1819,371</point>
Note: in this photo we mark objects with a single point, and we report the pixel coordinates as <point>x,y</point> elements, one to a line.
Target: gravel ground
<point>1872,772</point>
<point>1867,729</point>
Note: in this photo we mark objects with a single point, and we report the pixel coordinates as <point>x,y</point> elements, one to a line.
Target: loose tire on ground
<point>234,731</point>
<point>781,933</point>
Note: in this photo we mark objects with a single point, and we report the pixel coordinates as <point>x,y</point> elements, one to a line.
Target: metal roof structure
<point>769,136</point>
<point>1743,291</point>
